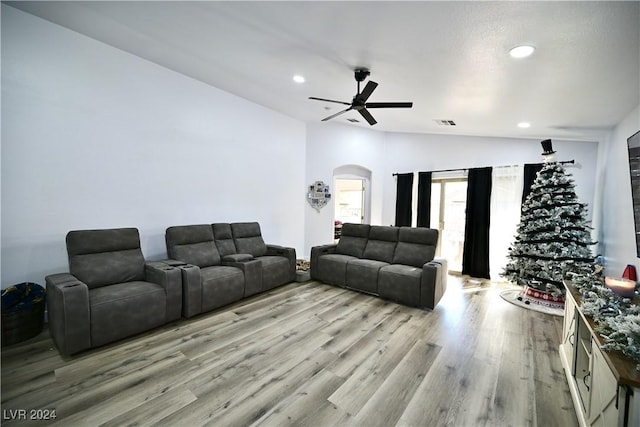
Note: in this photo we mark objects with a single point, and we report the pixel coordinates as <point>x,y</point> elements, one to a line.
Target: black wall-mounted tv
<point>634,166</point>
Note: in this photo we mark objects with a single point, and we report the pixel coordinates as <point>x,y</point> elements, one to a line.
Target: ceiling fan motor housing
<point>361,74</point>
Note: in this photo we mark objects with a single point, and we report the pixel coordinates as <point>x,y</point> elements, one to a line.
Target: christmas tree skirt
<point>533,299</point>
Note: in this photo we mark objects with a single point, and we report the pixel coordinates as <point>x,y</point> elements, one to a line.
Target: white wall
<point>332,145</point>
<point>617,237</point>
<point>93,137</point>
<point>415,152</point>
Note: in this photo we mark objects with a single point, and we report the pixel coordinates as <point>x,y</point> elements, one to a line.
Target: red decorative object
<point>630,273</point>
<point>534,296</point>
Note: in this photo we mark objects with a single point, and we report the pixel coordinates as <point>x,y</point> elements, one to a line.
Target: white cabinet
<point>603,407</point>
<point>605,387</point>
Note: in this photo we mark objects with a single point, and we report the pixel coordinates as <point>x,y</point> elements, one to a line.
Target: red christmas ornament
<point>630,273</point>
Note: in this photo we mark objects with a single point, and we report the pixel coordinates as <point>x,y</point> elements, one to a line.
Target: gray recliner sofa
<point>110,291</point>
<point>396,263</point>
<point>223,263</point>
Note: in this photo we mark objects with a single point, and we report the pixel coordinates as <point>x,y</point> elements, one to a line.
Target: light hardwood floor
<point>310,354</point>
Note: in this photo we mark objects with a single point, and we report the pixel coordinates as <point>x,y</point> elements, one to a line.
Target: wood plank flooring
<point>309,354</point>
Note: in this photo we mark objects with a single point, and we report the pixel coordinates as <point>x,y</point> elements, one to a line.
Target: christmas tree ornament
<point>630,273</point>
<point>547,147</point>
<point>548,155</point>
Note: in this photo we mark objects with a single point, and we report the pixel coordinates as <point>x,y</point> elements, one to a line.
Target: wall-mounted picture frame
<point>318,195</point>
<point>633,143</point>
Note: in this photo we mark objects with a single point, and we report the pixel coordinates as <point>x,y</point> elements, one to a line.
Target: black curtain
<point>403,199</point>
<point>424,199</point>
<point>475,257</point>
<point>530,172</point>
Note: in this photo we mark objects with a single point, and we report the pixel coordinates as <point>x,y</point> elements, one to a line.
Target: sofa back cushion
<point>416,246</point>
<point>224,239</point>
<point>105,257</point>
<point>192,244</point>
<point>353,240</point>
<point>248,238</point>
<point>381,244</point>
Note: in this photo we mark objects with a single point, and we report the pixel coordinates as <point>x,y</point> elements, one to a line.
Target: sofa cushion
<point>275,271</point>
<point>248,238</point>
<point>353,240</point>
<point>362,274</point>
<point>381,244</point>
<point>400,283</point>
<point>105,257</point>
<point>224,239</point>
<point>192,244</point>
<point>416,246</point>
<point>203,254</point>
<point>125,309</point>
<point>332,268</point>
<point>221,285</point>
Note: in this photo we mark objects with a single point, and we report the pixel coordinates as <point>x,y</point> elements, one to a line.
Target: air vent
<point>353,120</point>
<point>445,122</point>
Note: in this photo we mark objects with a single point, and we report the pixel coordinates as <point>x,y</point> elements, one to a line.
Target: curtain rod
<point>564,162</point>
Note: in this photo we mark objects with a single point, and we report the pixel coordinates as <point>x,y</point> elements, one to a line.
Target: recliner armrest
<point>238,258</point>
<point>290,253</point>
<point>172,262</point>
<point>170,278</point>
<point>191,286</point>
<point>318,251</point>
<point>68,312</point>
<point>434,282</point>
<point>276,250</point>
<point>444,270</point>
<point>252,270</point>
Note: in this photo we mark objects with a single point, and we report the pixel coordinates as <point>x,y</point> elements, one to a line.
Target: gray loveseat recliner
<point>223,263</point>
<point>395,263</point>
<point>110,292</point>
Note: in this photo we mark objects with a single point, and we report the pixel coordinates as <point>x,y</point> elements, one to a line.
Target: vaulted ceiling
<point>451,59</point>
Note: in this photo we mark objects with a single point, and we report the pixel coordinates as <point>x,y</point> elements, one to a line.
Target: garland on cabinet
<point>617,320</point>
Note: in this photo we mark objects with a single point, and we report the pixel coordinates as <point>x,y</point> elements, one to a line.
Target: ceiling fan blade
<point>389,104</point>
<point>367,116</point>
<point>329,100</point>
<point>367,91</point>
<point>336,114</point>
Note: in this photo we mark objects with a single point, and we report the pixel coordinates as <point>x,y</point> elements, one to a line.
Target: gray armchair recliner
<point>110,292</point>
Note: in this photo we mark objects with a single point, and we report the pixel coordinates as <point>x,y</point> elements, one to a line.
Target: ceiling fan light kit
<point>359,102</point>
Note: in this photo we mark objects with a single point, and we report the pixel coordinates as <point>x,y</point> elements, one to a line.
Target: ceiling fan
<point>359,102</point>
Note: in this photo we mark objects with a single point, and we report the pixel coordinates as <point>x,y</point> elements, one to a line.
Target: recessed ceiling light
<point>521,51</point>
<point>298,78</point>
<point>524,125</point>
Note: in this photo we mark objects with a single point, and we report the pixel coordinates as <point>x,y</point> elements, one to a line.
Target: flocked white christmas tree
<point>553,238</point>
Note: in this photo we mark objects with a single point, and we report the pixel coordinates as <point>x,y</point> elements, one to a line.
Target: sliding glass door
<point>448,205</point>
